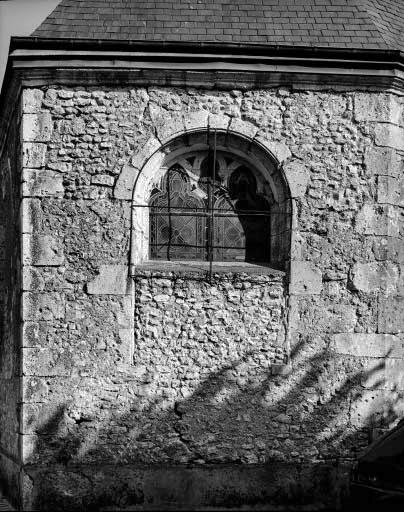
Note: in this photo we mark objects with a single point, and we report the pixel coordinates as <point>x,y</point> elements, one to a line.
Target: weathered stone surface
<point>390,135</point>
<point>232,372</point>
<point>386,373</point>
<point>377,107</point>
<point>32,100</point>
<point>304,279</point>
<point>47,362</point>
<point>34,154</point>
<point>112,280</point>
<point>383,161</point>
<point>371,406</point>
<point>42,250</point>
<point>34,389</point>
<point>388,249</point>
<point>103,179</point>
<point>167,126</point>
<point>218,122</point>
<point>125,183</point>
<point>390,190</point>
<point>375,277</point>
<point>37,127</point>
<point>244,128</point>
<point>279,150</point>
<point>42,183</point>
<point>368,345</point>
<point>391,315</point>
<point>31,215</point>
<point>196,120</point>
<point>378,220</point>
<point>297,177</point>
<point>42,306</point>
<point>147,150</point>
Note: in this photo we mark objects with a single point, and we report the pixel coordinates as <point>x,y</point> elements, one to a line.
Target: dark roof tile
<point>348,23</point>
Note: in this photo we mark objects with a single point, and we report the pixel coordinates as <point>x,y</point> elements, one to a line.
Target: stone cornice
<point>35,62</point>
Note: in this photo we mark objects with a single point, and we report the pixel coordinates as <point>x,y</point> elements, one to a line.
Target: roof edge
<point>253,49</point>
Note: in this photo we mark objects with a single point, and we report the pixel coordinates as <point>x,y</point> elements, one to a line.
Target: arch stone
<point>167,130</point>
<point>138,178</point>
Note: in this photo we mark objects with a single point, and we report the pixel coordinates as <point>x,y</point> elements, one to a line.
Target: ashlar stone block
<point>386,373</point>
<point>144,153</point>
<point>218,122</point>
<point>244,128</point>
<point>43,306</point>
<point>390,191</point>
<point>389,135</point>
<point>34,154</point>
<point>42,183</point>
<point>390,318</point>
<point>42,250</point>
<point>387,248</point>
<point>37,127</point>
<point>112,280</point>
<point>31,215</point>
<point>368,345</point>
<point>378,220</point>
<point>45,362</point>
<point>279,151</point>
<point>304,279</point>
<point>382,108</point>
<point>383,161</point>
<point>32,100</point>
<point>375,277</point>
<point>372,405</point>
<point>124,185</point>
<point>297,177</point>
<point>167,126</point>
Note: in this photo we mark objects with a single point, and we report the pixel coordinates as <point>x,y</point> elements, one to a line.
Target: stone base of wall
<point>278,486</point>
<point>10,480</point>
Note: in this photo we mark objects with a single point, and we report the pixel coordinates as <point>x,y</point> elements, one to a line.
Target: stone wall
<point>127,372</point>
<point>10,284</point>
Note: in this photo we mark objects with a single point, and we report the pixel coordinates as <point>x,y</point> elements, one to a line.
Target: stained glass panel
<point>216,216</point>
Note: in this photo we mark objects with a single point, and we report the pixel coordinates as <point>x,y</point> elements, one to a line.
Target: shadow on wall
<point>237,440</point>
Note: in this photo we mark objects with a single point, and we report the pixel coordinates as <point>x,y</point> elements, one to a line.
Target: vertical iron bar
<point>211,237</point>
<point>170,228</point>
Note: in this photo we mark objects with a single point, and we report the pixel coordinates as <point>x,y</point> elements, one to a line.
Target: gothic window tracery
<point>206,209</point>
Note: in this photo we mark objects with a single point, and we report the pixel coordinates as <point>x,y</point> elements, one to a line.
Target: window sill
<point>224,267</point>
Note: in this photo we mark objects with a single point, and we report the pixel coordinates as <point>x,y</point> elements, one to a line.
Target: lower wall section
<point>10,479</point>
<point>279,485</point>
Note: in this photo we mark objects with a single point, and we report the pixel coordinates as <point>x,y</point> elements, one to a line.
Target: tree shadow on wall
<point>293,434</point>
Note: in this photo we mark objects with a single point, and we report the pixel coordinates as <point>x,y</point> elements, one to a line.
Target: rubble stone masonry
<point>152,387</point>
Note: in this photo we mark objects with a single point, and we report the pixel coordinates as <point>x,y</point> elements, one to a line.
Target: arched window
<point>211,209</point>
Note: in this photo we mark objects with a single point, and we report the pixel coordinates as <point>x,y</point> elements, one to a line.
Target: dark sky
<point>20,18</point>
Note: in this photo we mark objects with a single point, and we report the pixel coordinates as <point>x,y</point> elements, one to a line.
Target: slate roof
<point>356,24</point>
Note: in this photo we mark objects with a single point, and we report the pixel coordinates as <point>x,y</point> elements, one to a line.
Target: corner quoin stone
<point>32,100</point>
<point>34,154</point>
<point>42,183</point>
<point>42,250</point>
<point>390,135</point>
<point>112,280</point>
<point>377,108</point>
<point>37,127</point>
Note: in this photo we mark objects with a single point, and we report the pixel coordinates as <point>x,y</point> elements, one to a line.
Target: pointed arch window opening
<point>209,216</point>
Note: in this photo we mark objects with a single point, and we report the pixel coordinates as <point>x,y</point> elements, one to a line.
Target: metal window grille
<point>211,221</point>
